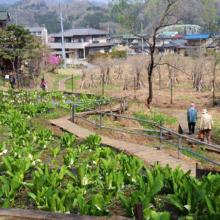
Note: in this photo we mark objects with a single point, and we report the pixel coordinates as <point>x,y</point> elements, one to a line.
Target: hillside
<point>76,13</point>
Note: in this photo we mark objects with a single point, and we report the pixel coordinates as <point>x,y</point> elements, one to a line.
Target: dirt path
<point>183,123</point>
<point>61,84</point>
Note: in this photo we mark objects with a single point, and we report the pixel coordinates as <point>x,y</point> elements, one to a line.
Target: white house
<point>40,32</point>
<point>80,42</point>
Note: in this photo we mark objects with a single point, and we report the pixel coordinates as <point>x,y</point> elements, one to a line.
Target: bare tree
<point>159,14</point>
<point>83,84</point>
<point>119,67</point>
<point>137,68</point>
<point>126,83</point>
<point>92,82</point>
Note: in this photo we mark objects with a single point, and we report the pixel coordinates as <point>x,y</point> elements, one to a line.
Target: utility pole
<point>200,47</point>
<point>142,40</point>
<point>16,22</point>
<point>63,46</point>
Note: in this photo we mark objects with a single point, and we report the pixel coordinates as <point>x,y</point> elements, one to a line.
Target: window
<point>79,39</point>
<point>34,33</point>
<point>67,39</point>
<point>57,40</point>
<point>95,40</point>
<point>39,33</point>
<point>106,50</point>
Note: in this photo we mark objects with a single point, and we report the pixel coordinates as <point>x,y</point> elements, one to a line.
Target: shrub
<point>114,54</point>
<point>51,63</point>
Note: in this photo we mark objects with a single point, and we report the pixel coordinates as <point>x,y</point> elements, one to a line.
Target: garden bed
<point>94,178</point>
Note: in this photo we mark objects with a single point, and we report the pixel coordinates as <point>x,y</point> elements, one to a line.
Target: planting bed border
<point>42,215</point>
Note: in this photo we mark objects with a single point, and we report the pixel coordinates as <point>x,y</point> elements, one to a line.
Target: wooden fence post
<point>198,167</point>
<point>159,162</point>
<point>138,211</point>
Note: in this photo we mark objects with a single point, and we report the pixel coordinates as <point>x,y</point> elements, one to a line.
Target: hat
<point>204,111</point>
<point>192,105</point>
<point>42,79</point>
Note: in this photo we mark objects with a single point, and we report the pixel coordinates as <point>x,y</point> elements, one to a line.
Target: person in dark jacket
<point>12,81</point>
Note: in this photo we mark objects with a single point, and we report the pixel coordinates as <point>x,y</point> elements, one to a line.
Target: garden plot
<point>42,171</point>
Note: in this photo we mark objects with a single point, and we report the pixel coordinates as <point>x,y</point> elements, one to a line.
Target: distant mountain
<point>55,1</point>
<point>81,13</point>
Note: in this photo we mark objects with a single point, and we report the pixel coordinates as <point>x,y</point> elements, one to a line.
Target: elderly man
<point>206,125</point>
<point>192,118</point>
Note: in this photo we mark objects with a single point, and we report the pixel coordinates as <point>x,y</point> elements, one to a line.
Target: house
<point>196,43</point>
<point>177,37</point>
<point>115,39</point>
<point>39,32</point>
<point>162,39</point>
<point>4,18</point>
<point>80,42</point>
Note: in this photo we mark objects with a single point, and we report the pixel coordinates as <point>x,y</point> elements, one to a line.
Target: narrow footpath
<point>147,154</point>
<point>61,84</point>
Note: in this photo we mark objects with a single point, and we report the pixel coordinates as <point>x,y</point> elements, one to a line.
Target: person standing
<point>12,81</point>
<point>206,125</point>
<point>43,84</point>
<point>192,115</point>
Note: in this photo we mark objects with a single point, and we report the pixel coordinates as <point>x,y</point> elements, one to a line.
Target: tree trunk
<point>150,97</point>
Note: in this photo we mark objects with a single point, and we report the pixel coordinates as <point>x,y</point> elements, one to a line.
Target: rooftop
<point>4,15</point>
<point>197,36</point>
<point>169,33</point>
<point>178,36</point>
<point>81,31</point>
<point>34,29</point>
<point>162,36</point>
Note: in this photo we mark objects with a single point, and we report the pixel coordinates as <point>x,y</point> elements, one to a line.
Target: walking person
<point>206,125</point>
<point>12,81</point>
<point>43,84</point>
<point>192,116</point>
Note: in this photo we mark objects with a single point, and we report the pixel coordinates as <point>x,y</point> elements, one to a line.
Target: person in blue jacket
<point>192,116</point>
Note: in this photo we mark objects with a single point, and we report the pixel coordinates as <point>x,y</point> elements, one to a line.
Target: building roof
<point>162,36</point>
<point>136,37</point>
<point>116,36</point>
<point>171,44</point>
<point>78,31</point>
<point>179,42</point>
<point>100,45</point>
<point>169,33</point>
<point>197,36</point>
<point>178,36</point>
<point>4,15</point>
<point>213,45</point>
<point>34,29</point>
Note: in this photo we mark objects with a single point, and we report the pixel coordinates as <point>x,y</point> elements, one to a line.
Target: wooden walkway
<point>148,154</point>
<point>115,108</point>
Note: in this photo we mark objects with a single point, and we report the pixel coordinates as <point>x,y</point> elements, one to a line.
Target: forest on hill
<point>96,15</point>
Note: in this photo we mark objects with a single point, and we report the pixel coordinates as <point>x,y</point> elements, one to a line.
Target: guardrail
<point>160,137</point>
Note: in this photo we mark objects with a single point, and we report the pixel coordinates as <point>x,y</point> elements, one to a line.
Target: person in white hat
<point>206,125</point>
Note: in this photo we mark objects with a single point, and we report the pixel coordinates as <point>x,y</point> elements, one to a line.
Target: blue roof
<point>197,36</point>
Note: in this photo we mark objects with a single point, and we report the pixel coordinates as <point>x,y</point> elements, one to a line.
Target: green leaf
<point>177,202</point>
<point>210,205</point>
<point>127,204</point>
<point>6,204</point>
<point>62,171</point>
<point>33,196</point>
<point>71,176</point>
